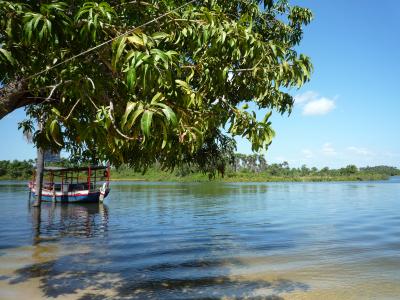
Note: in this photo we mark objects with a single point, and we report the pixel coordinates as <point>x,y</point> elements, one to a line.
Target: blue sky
<point>347,113</point>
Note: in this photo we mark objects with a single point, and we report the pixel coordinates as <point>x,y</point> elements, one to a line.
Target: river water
<point>205,241</point>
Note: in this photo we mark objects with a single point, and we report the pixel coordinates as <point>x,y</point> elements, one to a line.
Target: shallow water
<point>205,241</point>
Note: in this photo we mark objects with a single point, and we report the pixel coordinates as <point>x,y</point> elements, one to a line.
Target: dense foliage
<point>254,167</point>
<point>242,167</point>
<point>174,90</point>
<point>257,164</point>
<point>16,169</point>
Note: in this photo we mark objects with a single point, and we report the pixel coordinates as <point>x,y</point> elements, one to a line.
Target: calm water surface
<point>205,241</point>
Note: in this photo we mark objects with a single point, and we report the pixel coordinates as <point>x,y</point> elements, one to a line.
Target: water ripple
<point>206,241</point>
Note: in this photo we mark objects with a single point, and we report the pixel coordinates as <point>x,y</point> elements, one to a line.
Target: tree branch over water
<point>137,54</point>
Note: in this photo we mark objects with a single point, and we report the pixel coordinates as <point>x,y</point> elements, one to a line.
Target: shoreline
<point>235,179</point>
<point>225,181</point>
<point>242,180</point>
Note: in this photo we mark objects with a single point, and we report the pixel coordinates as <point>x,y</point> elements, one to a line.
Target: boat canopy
<point>74,169</point>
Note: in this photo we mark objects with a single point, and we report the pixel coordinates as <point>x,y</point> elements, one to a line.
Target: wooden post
<point>39,171</point>
<point>108,173</point>
<point>89,174</point>
<point>39,177</point>
<point>36,220</point>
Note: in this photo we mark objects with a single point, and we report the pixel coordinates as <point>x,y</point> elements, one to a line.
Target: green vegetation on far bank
<point>242,168</point>
<point>253,168</point>
<point>16,169</point>
<point>157,175</point>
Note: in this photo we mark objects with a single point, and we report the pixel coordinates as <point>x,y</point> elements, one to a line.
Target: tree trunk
<point>36,221</point>
<point>14,96</point>
<point>39,172</point>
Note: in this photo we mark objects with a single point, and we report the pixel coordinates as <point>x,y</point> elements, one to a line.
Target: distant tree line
<point>24,168</point>
<point>16,168</point>
<point>238,164</point>
<point>257,163</point>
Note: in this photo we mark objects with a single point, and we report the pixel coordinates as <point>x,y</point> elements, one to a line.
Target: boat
<point>79,184</point>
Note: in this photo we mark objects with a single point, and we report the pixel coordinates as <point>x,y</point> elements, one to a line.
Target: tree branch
<point>115,126</point>
<point>15,95</point>
<point>73,108</point>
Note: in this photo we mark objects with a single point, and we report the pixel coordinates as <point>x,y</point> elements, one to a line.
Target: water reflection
<point>59,220</point>
<point>207,241</point>
<point>197,190</point>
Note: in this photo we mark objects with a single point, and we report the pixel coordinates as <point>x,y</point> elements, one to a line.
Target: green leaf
<point>165,136</point>
<point>305,70</point>
<point>267,116</point>
<point>129,108</point>
<point>136,40</point>
<point>55,132</point>
<point>223,37</point>
<point>139,110</point>
<point>168,113</point>
<point>160,35</point>
<point>145,73</point>
<point>183,84</point>
<point>119,48</point>
<point>171,53</point>
<point>55,111</point>
<point>160,54</point>
<point>131,78</point>
<point>7,55</point>
<point>157,96</point>
<point>273,48</point>
<point>225,73</point>
<point>145,123</point>
<point>145,39</point>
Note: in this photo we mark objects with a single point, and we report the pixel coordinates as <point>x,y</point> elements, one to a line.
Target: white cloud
<point>306,97</point>
<point>327,149</point>
<point>313,104</point>
<point>318,107</point>
<point>359,151</point>
<point>307,153</point>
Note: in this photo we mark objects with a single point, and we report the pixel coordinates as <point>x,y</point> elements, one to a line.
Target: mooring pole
<point>39,172</point>
<point>36,220</point>
<point>39,177</point>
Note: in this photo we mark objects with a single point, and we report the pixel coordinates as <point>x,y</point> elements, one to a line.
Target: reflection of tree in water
<point>55,220</point>
<point>103,274</point>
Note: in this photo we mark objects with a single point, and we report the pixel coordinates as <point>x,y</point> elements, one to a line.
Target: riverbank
<point>246,168</point>
<point>252,173</point>
<point>159,176</point>
<point>230,177</point>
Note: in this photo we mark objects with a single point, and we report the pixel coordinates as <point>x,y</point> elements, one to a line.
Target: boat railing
<point>66,186</point>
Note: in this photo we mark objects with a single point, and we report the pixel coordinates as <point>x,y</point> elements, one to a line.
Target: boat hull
<point>72,197</point>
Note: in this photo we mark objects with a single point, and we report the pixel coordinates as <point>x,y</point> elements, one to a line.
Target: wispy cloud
<point>359,151</point>
<point>319,107</point>
<point>307,153</point>
<point>306,97</point>
<point>280,158</point>
<point>327,149</point>
<point>391,154</point>
<point>313,104</point>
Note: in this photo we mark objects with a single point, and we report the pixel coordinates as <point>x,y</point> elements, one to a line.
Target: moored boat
<point>81,184</point>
